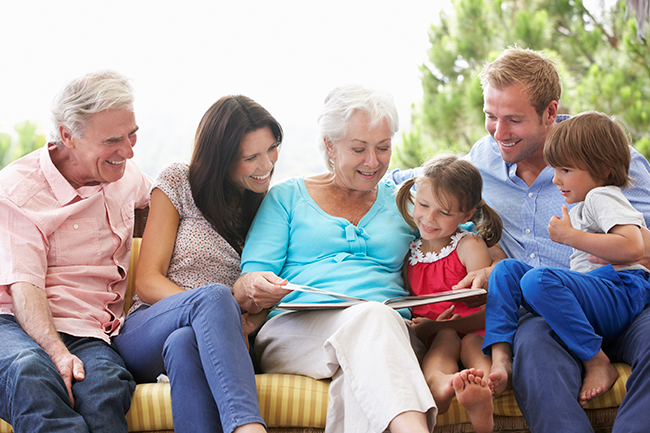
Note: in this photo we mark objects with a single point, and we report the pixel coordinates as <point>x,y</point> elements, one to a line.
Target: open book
<point>395,303</point>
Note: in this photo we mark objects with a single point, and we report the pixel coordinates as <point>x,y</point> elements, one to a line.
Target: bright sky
<point>183,56</point>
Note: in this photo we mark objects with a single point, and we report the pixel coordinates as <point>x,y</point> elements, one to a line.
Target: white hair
<point>343,102</point>
<point>87,95</point>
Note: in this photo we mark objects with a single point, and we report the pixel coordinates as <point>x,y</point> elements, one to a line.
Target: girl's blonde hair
<point>593,142</point>
<point>452,177</point>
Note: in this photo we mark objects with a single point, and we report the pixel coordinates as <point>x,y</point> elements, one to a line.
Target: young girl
<point>449,194</point>
<point>590,304</point>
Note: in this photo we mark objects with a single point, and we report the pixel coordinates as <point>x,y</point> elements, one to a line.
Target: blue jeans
<point>196,338</point>
<point>547,375</point>
<point>36,399</point>
<point>584,309</point>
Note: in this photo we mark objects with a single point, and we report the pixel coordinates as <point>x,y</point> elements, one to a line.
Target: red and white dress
<point>437,272</point>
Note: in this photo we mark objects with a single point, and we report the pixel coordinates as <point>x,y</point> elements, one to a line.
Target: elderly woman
<point>341,231</point>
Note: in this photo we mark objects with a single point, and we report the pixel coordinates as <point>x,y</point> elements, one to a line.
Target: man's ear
<point>67,137</point>
<point>550,113</point>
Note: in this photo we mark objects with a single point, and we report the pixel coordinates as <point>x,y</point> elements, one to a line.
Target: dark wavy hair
<point>216,146</point>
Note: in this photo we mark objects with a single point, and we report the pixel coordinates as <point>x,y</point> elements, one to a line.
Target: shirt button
<point>532,256</point>
<point>530,194</point>
<point>527,231</point>
<point>76,226</point>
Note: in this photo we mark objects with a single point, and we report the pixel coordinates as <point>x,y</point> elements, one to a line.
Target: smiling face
<point>514,124</point>
<point>100,155</point>
<point>574,183</point>
<point>362,157</point>
<point>252,168</point>
<point>434,219</point>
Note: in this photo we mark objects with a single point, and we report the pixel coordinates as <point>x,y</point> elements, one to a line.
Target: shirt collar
<point>61,188</point>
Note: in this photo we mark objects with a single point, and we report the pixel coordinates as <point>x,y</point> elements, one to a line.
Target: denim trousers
<point>547,377</point>
<point>196,338</point>
<point>35,399</point>
<point>586,310</point>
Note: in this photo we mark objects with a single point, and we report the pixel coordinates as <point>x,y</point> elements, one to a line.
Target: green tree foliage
<point>603,64</point>
<point>26,139</point>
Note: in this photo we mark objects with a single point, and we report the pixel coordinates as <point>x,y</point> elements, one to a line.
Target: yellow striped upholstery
<point>615,395</point>
<point>289,400</point>
<point>298,401</point>
<point>505,404</point>
<point>151,408</point>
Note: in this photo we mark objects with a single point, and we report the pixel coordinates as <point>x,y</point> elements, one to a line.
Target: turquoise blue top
<point>295,239</point>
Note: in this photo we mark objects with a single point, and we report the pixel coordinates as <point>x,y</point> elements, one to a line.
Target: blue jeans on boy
<point>36,399</point>
<point>541,357</point>
<point>196,338</point>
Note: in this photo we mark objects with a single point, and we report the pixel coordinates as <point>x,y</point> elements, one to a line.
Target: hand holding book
<point>395,303</point>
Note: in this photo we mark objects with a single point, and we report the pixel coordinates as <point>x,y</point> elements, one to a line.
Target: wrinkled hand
<point>70,368</point>
<point>560,228</point>
<point>257,290</point>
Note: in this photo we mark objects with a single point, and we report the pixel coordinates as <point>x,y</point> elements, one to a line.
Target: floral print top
<point>200,256</point>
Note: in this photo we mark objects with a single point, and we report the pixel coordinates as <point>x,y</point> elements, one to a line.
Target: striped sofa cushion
<point>298,401</point>
<point>505,404</point>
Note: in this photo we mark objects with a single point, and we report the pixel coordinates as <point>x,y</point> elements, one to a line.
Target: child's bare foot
<point>600,375</point>
<point>441,389</point>
<point>476,397</point>
<point>500,376</point>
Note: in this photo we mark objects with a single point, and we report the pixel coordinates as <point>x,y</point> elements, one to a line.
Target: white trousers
<point>365,349</point>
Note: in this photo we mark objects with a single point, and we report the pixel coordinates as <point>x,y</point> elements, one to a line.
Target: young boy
<point>591,303</point>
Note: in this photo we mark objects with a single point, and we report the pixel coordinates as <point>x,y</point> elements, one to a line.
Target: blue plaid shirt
<point>527,210</point>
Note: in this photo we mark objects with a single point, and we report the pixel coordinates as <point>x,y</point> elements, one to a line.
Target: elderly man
<point>66,222</point>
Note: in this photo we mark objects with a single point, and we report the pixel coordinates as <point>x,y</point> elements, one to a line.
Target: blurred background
<point>288,54</point>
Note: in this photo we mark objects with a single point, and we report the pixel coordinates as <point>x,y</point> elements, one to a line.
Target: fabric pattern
<point>201,255</point>
<point>526,210</point>
<point>433,273</point>
<point>298,401</point>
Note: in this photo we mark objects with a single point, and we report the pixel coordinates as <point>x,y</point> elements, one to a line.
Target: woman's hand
<point>257,290</point>
<point>251,323</point>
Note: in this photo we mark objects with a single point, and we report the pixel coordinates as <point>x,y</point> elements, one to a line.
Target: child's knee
<point>448,336</point>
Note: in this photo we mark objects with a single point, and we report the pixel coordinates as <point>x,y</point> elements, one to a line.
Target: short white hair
<point>89,94</point>
<point>343,102</point>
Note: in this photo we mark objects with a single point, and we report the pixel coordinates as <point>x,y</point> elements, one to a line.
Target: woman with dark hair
<point>198,220</point>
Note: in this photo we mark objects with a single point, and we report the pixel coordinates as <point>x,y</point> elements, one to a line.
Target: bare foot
<point>500,376</point>
<point>475,396</point>
<point>600,375</point>
<point>499,380</point>
<point>441,389</point>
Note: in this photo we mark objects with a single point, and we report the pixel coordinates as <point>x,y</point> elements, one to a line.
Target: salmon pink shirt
<point>73,243</point>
